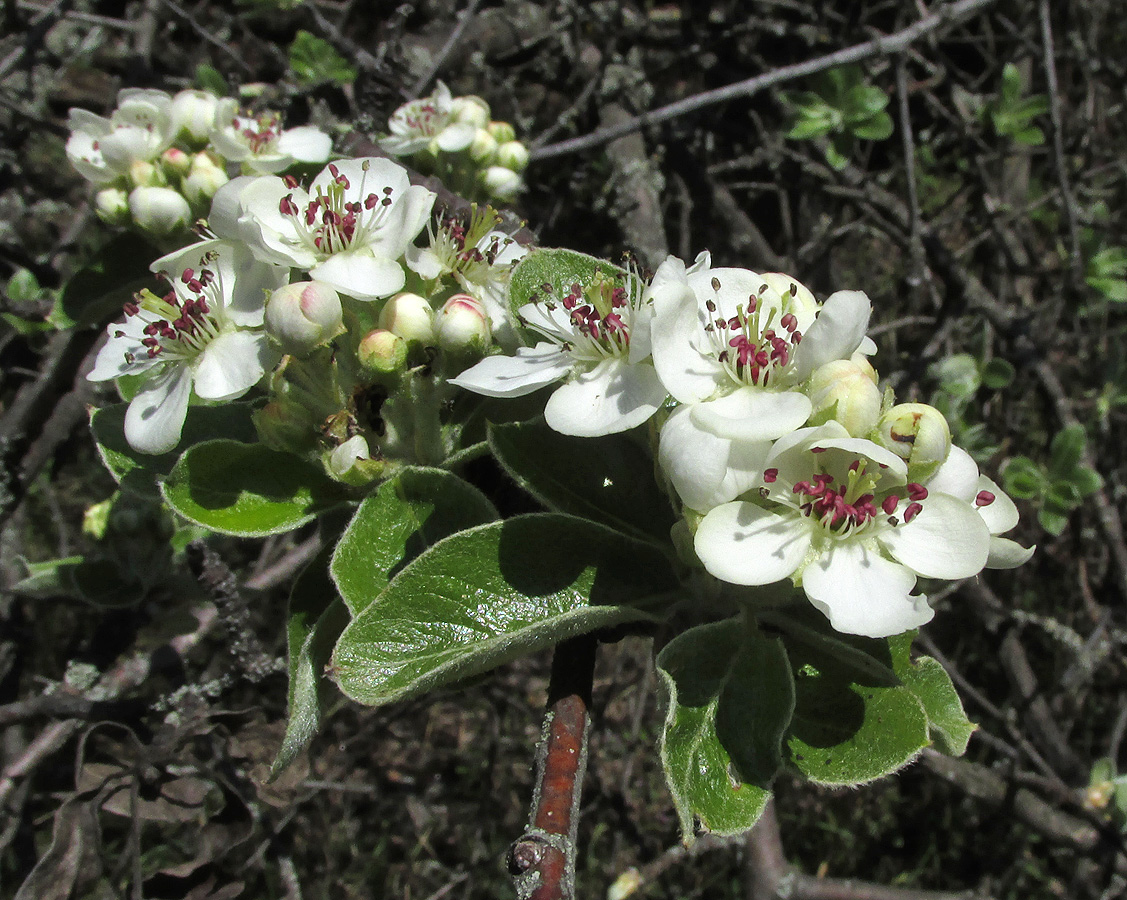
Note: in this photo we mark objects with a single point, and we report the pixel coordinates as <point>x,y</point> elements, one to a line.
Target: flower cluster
<point>321,295</point>
<point>785,457</point>
<point>158,159</point>
<point>456,139</point>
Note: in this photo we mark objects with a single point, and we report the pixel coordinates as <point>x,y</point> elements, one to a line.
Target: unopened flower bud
<point>204,179</point>
<point>483,147</point>
<point>352,463</point>
<point>860,360</point>
<point>159,210</point>
<point>410,317</point>
<point>382,352</point>
<point>175,161</point>
<point>512,155</point>
<point>470,110</point>
<point>843,390</point>
<point>918,434</point>
<point>501,131</point>
<point>193,115</point>
<point>143,173</point>
<point>501,183</point>
<point>304,315</point>
<point>112,206</point>
<point>462,326</point>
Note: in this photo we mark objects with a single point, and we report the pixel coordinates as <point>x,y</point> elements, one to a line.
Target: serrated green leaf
<point>139,472</point>
<point>1086,481</point>
<point>876,128</point>
<point>1023,478</point>
<point>695,668</point>
<point>408,514</point>
<point>948,724</point>
<point>559,269</point>
<point>105,284</point>
<point>607,479</point>
<point>317,616</point>
<point>487,595</point>
<point>846,729</point>
<point>1053,521</point>
<point>1066,449</point>
<point>314,61</point>
<point>247,489</point>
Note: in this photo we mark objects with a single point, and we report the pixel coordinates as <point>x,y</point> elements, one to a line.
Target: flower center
<point>424,118</point>
<point>182,322</point>
<point>330,223</point>
<point>855,503</point>
<point>458,244</point>
<point>260,133</point>
<point>752,348</point>
<point>598,318</point>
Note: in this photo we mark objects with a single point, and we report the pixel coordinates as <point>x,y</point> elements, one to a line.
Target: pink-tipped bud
<point>175,161</point>
<point>159,210</point>
<point>303,316</point>
<point>382,352</point>
<point>409,316</point>
<point>462,326</point>
<point>204,178</point>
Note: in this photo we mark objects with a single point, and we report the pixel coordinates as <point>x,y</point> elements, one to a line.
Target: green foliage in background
<point>1059,487</point>
<point>842,107</point>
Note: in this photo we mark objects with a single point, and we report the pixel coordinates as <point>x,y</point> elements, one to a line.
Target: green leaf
<point>316,619</point>
<point>1086,481</point>
<point>408,514</point>
<point>998,373</point>
<point>948,724</point>
<point>247,489</point>
<point>1067,449</point>
<point>811,127</point>
<point>1052,520</point>
<point>876,128</point>
<point>1024,479</point>
<point>485,596</point>
<point>558,269</point>
<point>697,668</point>
<point>1062,495</point>
<point>139,472</point>
<point>836,155</point>
<point>104,285</point>
<point>1114,289</point>
<point>849,727</point>
<point>607,479</point>
<point>209,78</point>
<point>314,60</point>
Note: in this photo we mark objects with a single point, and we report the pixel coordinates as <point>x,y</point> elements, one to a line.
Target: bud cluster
<point>457,139</point>
<point>158,159</point>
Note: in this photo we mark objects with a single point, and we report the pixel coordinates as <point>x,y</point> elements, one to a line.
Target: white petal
<point>231,365</point>
<point>677,333</point>
<point>948,539</point>
<point>360,275</point>
<point>862,447</point>
<point>742,543</point>
<point>957,476</point>
<point>424,262</point>
<point>863,593</point>
<point>707,470</point>
<point>836,332</point>
<point>156,413</point>
<point>305,144</point>
<point>1007,554</point>
<point>515,376</point>
<point>124,338</point>
<point>753,414</point>
<point>456,137</point>
<point>614,396</point>
<point>1001,515</point>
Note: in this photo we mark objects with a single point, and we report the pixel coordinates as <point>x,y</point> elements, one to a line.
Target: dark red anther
<point>769,475</point>
<point>984,498</point>
<point>916,491</point>
<point>913,510</point>
<point>889,503</point>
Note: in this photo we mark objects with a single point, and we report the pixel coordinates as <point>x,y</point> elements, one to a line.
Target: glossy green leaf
<point>607,479</point>
<point>317,616</point>
<point>948,725</point>
<point>850,726</point>
<point>104,285</point>
<point>408,514</point>
<point>698,668</point>
<point>139,471</point>
<point>487,595</point>
<point>247,489</point>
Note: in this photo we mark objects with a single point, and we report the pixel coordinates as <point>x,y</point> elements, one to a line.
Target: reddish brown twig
<point>542,860</point>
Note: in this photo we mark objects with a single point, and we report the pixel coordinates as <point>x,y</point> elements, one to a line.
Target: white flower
<point>837,514</point>
<point>481,260</point>
<point>598,340</point>
<point>959,477</point>
<point>159,210</point>
<point>139,129</point>
<point>739,346</point>
<point>429,120</point>
<point>193,115</point>
<point>348,230</point>
<point>260,143</point>
<point>201,337</point>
